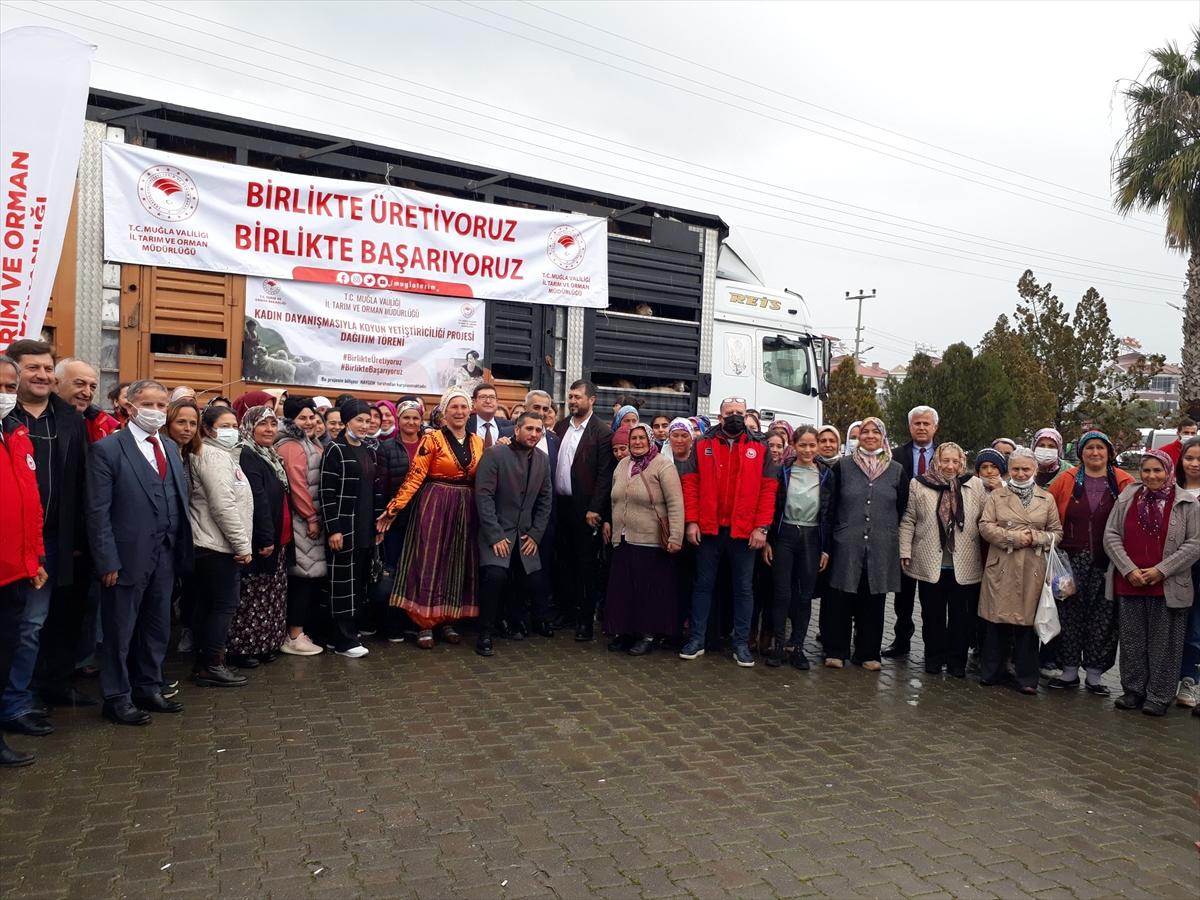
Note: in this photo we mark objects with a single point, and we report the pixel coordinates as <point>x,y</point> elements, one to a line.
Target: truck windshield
<point>785,363</point>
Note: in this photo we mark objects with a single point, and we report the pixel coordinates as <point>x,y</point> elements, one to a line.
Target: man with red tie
<point>914,457</point>
<point>137,522</point>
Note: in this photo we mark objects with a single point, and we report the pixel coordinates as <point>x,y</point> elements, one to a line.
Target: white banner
<point>44,76</point>
<point>327,336</point>
<point>163,209</point>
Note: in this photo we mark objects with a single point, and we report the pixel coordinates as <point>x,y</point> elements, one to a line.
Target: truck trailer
<point>689,320</point>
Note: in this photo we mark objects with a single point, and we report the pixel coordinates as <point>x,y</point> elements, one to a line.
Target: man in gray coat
<point>513,496</point>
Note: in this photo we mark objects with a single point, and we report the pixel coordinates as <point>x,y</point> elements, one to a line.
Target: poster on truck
<point>329,336</point>
<point>163,209</point>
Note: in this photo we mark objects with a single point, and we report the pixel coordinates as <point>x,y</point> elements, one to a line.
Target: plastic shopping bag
<point>1059,573</point>
<point>1045,620</point>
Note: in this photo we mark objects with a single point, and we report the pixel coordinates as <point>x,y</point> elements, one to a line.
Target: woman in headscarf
<point>251,399</point>
<point>278,395</point>
<point>1187,476</point>
<point>1153,539</point>
<point>626,415</point>
<point>437,579</point>
<point>1004,446</point>
<point>869,495</point>
<point>991,468</point>
<point>829,445</point>
<point>646,530</point>
<point>1020,520</point>
<point>620,442</point>
<point>1085,496</point>
<point>348,511</point>
<point>680,438</point>
<point>387,419</point>
<point>395,453</point>
<point>852,438</point>
<point>297,446</point>
<point>939,547</point>
<point>1048,451</point>
<point>260,623</point>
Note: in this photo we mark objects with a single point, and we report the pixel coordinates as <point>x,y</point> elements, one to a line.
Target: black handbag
<point>381,579</point>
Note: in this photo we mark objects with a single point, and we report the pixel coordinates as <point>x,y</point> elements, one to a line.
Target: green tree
<point>917,389</point>
<point>1156,167</point>
<point>1016,366</point>
<point>851,397</point>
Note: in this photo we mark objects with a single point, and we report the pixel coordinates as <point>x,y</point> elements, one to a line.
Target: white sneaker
<point>186,643</point>
<point>1189,693</point>
<point>1047,671</point>
<point>300,646</point>
<point>354,652</point>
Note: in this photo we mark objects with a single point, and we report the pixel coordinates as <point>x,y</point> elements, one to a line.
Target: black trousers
<point>904,604</point>
<point>861,611</point>
<point>10,620</point>
<point>301,593</point>
<point>523,590</point>
<point>1023,641</point>
<point>797,556</point>
<point>58,648</point>
<point>578,565</point>
<point>946,622</point>
<point>215,590</point>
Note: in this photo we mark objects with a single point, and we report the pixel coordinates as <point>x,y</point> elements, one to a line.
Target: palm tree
<point>1157,167</point>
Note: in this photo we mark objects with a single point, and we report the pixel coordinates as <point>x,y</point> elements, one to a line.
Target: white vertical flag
<point>44,76</point>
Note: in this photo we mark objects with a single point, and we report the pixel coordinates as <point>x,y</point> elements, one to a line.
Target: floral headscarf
<point>251,420</point>
<point>950,517</point>
<point>1152,504</point>
<point>638,464</point>
<point>873,465</point>
<point>681,424</point>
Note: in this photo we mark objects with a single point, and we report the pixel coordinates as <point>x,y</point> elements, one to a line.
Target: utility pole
<point>860,297</point>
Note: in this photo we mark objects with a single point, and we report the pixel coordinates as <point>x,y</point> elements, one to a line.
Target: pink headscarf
<point>391,407</point>
<point>1152,504</point>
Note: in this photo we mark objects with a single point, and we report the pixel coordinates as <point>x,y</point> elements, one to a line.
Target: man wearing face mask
<point>141,536</point>
<point>729,486</point>
<point>59,441</point>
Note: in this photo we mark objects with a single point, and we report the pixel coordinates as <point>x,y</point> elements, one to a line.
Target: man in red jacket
<point>729,488</point>
<point>22,555</point>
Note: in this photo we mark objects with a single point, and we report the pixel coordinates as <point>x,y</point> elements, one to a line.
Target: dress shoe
<point>1061,684</point>
<point>643,646</point>
<point>123,712</point>
<point>41,710</point>
<point>543,628</point>
<point>1154,708</point>
<point>895,651</point>
<point>219,675</point>
<point>483,646</point>
<point>1100,690</point>
<point>584,633</point>
<point>157,703</point>
<point>13,759</point>
<point>1129,700</point>
<point>27,724</point>
<point>70,697</point>
<point>619,643</point>
<point>800,661</point>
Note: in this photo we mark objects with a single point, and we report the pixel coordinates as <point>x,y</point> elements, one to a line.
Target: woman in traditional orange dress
<point>437,577</point>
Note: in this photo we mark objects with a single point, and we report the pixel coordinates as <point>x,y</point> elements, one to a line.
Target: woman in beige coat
<point>1020,521</point>
<point>647,528</point>
<point>939,547</point>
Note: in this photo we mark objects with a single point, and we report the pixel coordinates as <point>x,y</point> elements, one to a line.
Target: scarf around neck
<point>250,421</point>
<point>873,466</point>
<point>1151,505</point>
<point>950,514</point>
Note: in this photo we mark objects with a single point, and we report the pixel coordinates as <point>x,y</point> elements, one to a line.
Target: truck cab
<point>764,349</point>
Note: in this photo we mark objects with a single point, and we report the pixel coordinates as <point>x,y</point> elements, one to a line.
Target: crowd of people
<point>239,530</point>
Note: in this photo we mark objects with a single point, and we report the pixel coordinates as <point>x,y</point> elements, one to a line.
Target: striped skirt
<point>438,575</point>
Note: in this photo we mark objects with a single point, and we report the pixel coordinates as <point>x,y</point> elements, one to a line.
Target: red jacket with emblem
<point>729,485</point>
<point>22,549</point>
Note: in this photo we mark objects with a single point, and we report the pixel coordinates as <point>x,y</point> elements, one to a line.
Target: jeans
<point>797,556</point>
<point>17,699</point>
<point>741,564</point>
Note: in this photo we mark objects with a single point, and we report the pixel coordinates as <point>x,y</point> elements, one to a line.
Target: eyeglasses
<point>733,400</point>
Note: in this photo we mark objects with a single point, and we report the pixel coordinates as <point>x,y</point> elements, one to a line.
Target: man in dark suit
<point>914,457</point>
<point>137,521</point>
<point>542,404</point>
<point>58,435</point>
<point>582,490</point>
<point>513,496</point>
<point>483,421</point>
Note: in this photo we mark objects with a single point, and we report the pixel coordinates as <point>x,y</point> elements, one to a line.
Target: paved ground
<point>558,769</point>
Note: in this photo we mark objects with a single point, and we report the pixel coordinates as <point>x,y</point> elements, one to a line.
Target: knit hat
<point>620,437</point>
<point>354,407</point>
<point>293,405</point>
<point>995,457</point>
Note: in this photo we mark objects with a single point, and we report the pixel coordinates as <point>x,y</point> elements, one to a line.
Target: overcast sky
<point>850,145</point>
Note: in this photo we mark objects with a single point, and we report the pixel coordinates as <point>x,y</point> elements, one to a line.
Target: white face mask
<point>8,402</point>
<point>1045,454</point>
<point>1028,482</point>
<point>384,432</point>
<point>852,445</point>
<point>874,452</point>
<point>227,437</point>
<point>373,434</point>
<point>149,420</point>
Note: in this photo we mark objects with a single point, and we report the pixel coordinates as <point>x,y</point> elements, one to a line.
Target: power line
<point>475,137</point>
<point>560,14</point>
<point>1053,257</point>
<point>575,43</point>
